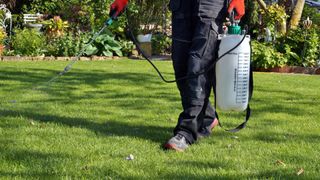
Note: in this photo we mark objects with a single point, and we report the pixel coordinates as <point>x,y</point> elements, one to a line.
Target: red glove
<point>238,5</point>
<point>117,7</point>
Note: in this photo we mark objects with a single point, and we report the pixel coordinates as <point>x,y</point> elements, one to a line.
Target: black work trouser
<point>195,29</point>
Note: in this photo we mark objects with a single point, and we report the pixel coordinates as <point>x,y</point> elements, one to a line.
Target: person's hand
<point>238,5</point>
<point>117,7</point>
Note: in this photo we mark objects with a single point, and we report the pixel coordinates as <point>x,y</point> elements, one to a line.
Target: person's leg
<point>201,55</point>
<point>194,47</point>
<point>182,34</point>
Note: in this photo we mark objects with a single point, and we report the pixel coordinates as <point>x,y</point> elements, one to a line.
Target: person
<point>195,28</point>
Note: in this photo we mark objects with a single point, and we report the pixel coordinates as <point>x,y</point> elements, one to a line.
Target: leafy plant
<point>310,53</point>
<point>83,14</point>
<point>126,47</point>
<point>264,55</point>
<point>275,18</point>
<point>68,44</point>
<point>55,26</point>
<point>3,35</point>
<point>161,44</point>
<point>301,47</point>
<point>105,45</point>
<point>28,42</point>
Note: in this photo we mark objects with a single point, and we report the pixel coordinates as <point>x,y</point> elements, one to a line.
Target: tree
<point>296,14</point>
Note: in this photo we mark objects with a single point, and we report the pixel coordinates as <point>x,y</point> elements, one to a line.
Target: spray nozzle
<point>232,24</point>
<point>233,21</point>
<point>113,15</point>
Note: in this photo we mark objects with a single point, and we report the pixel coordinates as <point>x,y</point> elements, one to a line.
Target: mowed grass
<point>88,122</point>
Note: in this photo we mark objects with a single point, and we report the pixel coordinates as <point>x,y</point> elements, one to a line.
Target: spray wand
<point>113,16</point>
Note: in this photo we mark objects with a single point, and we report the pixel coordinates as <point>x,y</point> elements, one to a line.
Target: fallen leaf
<point>301,171</point>
<point>279,162</point>
<point>32,123</point>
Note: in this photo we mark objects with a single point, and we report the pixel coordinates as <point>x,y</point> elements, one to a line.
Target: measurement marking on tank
<point>241,78</point>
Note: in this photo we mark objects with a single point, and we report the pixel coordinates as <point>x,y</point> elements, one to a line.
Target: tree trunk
<point>262,5</point>
<point>296,14</point>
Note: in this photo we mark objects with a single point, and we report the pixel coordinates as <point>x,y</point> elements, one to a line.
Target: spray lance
<point>112,17</point>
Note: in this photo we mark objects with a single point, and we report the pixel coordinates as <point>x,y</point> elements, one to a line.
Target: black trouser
<point>195,29</point>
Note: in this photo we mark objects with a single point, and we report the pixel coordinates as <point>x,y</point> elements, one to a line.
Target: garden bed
<point>285,69</point>
<point>82,58</point>
<point>52,58</point>
<point>292,69</point>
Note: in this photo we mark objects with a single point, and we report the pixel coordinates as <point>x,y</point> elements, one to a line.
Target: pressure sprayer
<point>233,74</point>
<point>233,71</point>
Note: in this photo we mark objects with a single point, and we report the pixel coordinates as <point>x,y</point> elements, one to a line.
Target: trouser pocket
<point>212,8</point>
<point>204,40</point>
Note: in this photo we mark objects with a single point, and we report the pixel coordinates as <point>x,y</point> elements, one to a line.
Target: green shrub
<point>28,42</point>
<point>300,46</point>
<point>161,44</point>
<point>68,44</point>
<point>310,53</point>
<point>275,19</point>
<point>264,55</point>
<point>86,14</point>
<point>126,47</point>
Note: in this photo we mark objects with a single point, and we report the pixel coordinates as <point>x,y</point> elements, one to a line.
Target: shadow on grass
<point>31,164</point>
<point>109,128</point>
<point>62,92</point>
<point>98,84</point>
<point>283,137</point>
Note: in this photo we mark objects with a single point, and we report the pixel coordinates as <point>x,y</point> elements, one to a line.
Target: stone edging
<point>286,69</point>
<point>52,58</point>
<point>292,69</point>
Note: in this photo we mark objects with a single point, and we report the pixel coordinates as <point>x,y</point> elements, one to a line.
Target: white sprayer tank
<point>233,73</point>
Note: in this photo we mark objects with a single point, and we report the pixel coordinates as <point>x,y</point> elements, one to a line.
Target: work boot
<point>177,143</point>
<point>206,131</point>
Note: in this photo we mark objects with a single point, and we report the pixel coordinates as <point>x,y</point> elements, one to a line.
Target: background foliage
<point>295,47</point>
<point>299,47</point>
<point>28,42</point>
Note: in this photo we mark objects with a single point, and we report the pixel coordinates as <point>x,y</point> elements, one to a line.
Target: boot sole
<point>173,147</point>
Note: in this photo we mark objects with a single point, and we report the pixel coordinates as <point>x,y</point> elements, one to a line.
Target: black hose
<point>184,77</point>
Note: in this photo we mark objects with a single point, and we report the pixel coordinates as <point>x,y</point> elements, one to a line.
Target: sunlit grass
<point>88,122</point>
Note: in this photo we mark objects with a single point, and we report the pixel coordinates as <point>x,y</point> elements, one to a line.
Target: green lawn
<point>89,121</point>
